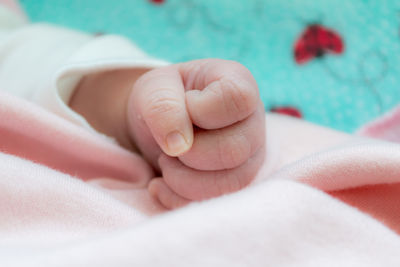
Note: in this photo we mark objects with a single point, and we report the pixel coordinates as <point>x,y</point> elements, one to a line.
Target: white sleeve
<point>44,63</point>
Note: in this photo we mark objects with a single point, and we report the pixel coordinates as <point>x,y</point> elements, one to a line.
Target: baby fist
<point>201,123</point>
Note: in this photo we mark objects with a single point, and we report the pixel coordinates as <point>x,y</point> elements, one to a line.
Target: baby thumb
<point>160,95</point>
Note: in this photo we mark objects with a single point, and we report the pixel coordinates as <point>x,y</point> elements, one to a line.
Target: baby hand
<point>201,123</point>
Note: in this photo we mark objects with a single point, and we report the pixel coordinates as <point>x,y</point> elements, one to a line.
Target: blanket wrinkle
<point>386,127</point>
<point>283,226</point>
<point>70,198</point>
<point>33,133</point>
<point>74,198</point>
<point>365,176</point>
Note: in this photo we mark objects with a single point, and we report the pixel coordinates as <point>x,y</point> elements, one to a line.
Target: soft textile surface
<point>386,127</point>
<point>70,197</point>
<point>343,90</point>
<point>73,198</point>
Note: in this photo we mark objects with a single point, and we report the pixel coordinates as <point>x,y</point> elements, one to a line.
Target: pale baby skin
<point>199,124</point>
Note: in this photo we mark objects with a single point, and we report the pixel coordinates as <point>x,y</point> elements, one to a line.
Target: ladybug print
<point>289,111</point>
<point>315,42</point>
<point>157,2</point>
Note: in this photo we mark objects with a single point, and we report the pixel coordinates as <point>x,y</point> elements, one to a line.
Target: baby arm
<point>200,124</point>
<point>213,104</point>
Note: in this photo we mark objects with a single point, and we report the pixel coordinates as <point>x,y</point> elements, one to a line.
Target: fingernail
<point>176,143</point>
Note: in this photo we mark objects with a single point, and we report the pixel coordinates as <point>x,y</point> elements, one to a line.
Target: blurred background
<point>335,63</point>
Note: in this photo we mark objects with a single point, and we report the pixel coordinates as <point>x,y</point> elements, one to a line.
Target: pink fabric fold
<point>71,197</point>
<point>33,133</point>
<point>386,127</point>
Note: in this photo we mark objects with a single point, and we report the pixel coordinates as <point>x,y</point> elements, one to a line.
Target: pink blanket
<point>73,198</point>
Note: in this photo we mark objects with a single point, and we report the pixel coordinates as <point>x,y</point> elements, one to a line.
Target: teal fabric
<point>341,91</point>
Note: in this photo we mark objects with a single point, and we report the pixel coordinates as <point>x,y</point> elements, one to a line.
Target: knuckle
<point>161,102</point>
<point>238,99</point>
<point>237,181</point>
<point>233,150</point>
<point>239,68</point>
<point>231,182</point>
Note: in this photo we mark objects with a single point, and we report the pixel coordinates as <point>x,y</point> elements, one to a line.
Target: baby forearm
<point>101,99</point>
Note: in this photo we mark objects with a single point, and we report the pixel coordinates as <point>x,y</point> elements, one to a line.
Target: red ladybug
<point>290,111</point>
<point>315,42</point>
<point>157,2</point>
